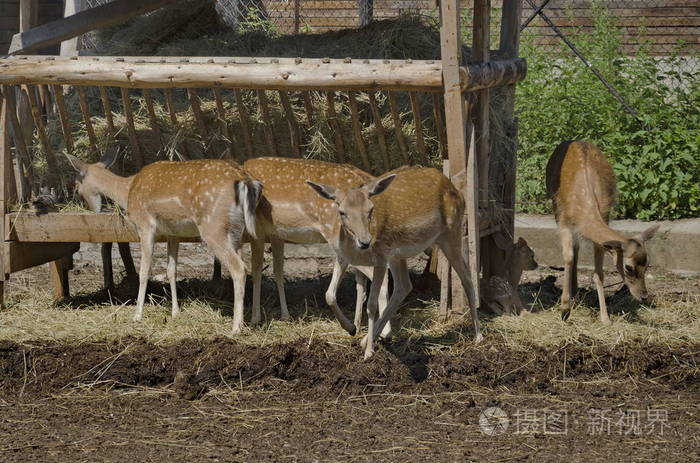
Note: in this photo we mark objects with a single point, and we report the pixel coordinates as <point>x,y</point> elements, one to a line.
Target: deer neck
<point>598,231</point>
<point>113,186</point>
<point>515,271</point>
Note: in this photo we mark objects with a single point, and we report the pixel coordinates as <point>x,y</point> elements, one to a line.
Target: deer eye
<point>643,261</point>
<point>342,214</point>
<point>629,269</point>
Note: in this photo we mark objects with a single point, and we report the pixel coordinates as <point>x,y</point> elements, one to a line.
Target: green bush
<point>657,168</point>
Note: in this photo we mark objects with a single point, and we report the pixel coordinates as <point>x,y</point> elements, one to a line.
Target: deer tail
<point>248,193</point>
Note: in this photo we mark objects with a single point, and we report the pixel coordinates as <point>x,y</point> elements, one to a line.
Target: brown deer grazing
<point>501,294</point>
<point>388,220</point>
<point>212,199</point>
<point>582,186</point>
<point>296,215</point>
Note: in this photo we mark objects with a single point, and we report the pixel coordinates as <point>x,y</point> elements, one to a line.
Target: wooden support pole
<point>294,133</point>
<point>335,126</point>
<point>268,127</point>
<point>86,117</point>
<point>63,116</point>
<point>379,127</point>
<point>43,136</point>
<point>398,128</point>
<point>58,272</point>
<point>171,106</point>
<point>199,118</point>
<point>224,127</point>
<point>438,112</point>
<point>133,137</point>
<point>456,119</point>
<point>245,123</point>
<point>357,131</point>
<point>25,159</point>
<point>148,99</point>
<point>480,53</point>
<point>70,7</point>
<point>5,172</point>
<point>107,108</point>
<point>309,108</point>
<point>418,123</point>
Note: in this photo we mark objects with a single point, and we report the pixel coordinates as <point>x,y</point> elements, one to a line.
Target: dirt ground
<point>315,399</point>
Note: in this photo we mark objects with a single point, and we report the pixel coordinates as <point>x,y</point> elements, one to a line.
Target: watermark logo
<point>493,421</point>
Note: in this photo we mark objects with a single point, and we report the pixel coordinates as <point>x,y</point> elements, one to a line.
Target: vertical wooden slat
<point>107,108</point>
<point>335,126</point>
<point>418,122</point>
<point>245,122</point>
<point>25,159</point>
<point>224,126</point>
<point>456,118</point>
<point>63,116</point>
<point>267,123</point>
<point>308,107</point>
<point>5,171</point>
<point>133,138</point>
<point>43,136</point>
<point>10,184</point>
<point>379,127</point>
<point>84,108</point>
<point>357,131</point>
<point>294,134</point>
<point>148,99</point>
<point>398,132</point>
<point>171,106</point>
<point>199,118</point>
<point>439,125</point>
<point>480,53</point>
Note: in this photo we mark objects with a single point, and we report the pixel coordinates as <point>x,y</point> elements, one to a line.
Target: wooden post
<point>245,123</point>
<point>70,47</point>
<point>294,134</point>
<point>379,127</point>
<point>268,128</point>
<point>456,118</point>
<point>366,11</point>
<point>418,123</point>
<point>86,117</point>
<point>335,126</point>
<point>5,172</point>
<point>357,130</point>
<point>58,271</point>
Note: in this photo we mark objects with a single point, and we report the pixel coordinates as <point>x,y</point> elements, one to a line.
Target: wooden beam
<point>27,255</point>
<point>80,23</point>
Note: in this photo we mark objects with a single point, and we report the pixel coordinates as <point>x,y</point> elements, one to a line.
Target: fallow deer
<point>212,199</point>
<point>501,294</point>
<point>296,217</point>
<point>388,220</point>
<point>582,186</point>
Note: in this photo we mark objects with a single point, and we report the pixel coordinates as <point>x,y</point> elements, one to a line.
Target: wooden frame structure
<point>30,240</point>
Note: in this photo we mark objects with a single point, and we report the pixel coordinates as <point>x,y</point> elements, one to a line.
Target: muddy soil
<point>317,401</point>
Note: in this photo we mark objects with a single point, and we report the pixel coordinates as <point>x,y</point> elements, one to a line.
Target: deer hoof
<point>565,314</point>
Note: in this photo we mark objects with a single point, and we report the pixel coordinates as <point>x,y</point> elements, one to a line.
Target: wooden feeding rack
<point>30,239</point>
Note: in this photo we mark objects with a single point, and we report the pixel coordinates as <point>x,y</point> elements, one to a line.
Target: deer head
<point>355,207</point>
<point>633,261</point>
<point>86,182</point>
<point>523,255</point>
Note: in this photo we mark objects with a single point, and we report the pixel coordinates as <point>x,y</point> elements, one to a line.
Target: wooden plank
<point>43,136</point>
<point>245,122</point>
<point>107,108</point>
<point>224,127</point>
<point>357,131</point>
<point>398,129</point>
<point>63,116</point>
<point>5,172</point>
<point>148,99</point>
<point>292,125</point>
<point>418,123</point>
<point>379,128</point>
<point>268,128</point>
<point>27,255</point>
<point>80,23</point>
<point>137,154</point>
<point>87,118</point>
<point>335,126</point>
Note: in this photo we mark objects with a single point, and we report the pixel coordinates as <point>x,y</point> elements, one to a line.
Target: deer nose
<point>362,244</point>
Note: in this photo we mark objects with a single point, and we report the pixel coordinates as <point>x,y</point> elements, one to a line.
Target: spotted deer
<point>501,294</point>
<point>581,183</point>
<point>212,199</point>
<point>387,220</point>
<point>296,215</point>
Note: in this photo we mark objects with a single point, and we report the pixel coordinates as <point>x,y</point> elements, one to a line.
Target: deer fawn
<point>581,184</point>
<point>212,199</point>
<point>501,294</point>
<point>388,220</point>
<point>296,217</point>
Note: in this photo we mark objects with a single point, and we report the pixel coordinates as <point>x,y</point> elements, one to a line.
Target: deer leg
<point>257,249</point>
<point>278,270</point>
<point>173,248</point>
<point>377,279</point>
<point>129,267</point>
<point>567,249</point>
<point>331,300</point>
<point>574,270</point>
<point>451,247</point>
<point>107,271</point>
<point>216,275</point>
<point>598,254</point>
<point>361,290</point>
<point>147,242</point>
<point>383,298</point>
<point>402,288</point>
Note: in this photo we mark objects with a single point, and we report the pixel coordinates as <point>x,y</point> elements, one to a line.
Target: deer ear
<point>77,164</point>
<point>110,156</point>
<point>378,186</point>
<point>648,233</point>
<point>522,242</point>
<point>326,191</point>
<point>613,244</point>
